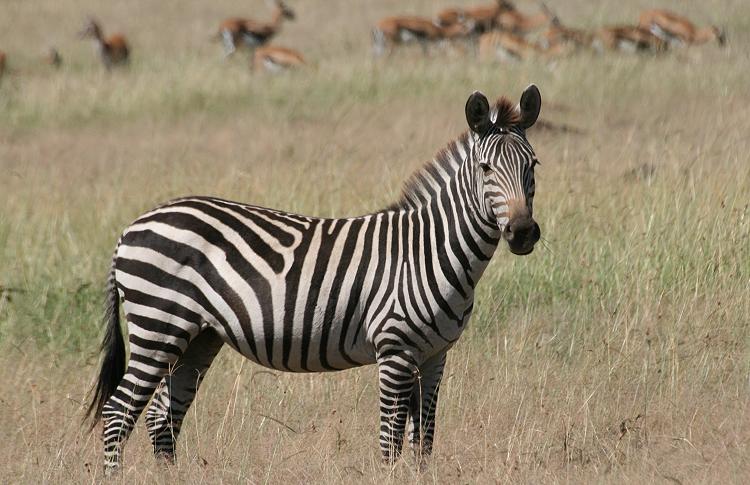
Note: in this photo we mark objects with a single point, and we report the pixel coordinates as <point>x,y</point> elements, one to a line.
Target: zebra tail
<point>113,348</point>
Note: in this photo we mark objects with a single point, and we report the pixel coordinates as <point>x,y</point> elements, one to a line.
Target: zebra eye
<point>485,167</point>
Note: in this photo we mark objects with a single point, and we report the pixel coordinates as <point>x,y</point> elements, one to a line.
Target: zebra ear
<point>530,105</point>
<point>478,113</point>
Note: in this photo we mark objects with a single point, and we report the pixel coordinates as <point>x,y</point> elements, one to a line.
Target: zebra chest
<point>424,328</point>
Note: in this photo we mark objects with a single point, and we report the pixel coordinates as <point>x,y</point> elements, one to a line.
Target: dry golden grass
<point>619,352</point>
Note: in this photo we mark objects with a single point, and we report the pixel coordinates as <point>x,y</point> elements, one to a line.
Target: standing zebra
<point>305,294</point>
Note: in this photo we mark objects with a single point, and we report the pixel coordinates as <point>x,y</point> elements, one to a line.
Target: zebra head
<point>505,179</point>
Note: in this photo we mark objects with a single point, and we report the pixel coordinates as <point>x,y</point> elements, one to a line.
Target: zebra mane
<point>505,114</point>
<point>434,175</point>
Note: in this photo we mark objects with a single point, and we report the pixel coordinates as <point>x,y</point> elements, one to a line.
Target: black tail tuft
<point>113,361</point>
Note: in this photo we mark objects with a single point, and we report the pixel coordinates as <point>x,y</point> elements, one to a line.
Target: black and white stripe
<point>306,294</point>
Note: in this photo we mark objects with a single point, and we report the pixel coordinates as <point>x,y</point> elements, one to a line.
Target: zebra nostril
<point>508,232</point>
<point>520,230</point>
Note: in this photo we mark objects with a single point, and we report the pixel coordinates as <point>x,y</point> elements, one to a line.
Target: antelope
<point>484,17</point>
<point>392,31</point>
<point>113,50</point>
<point>276,58</point>
<point>53,58</point>
<point>558,34</point>
<point>251,32</point>
<point>511,20</point>
<point>3,58</point>
<point>628,38</point>
<point>678,30</point>
<point>507,46</point>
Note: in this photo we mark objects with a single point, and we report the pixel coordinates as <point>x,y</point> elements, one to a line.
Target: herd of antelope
<point>501,32</point>
<point>235,32</point>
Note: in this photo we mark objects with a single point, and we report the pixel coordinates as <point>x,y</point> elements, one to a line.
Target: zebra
<point>305,294</point>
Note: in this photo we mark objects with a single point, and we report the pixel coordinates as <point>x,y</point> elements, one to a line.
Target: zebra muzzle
<point>521,233</point>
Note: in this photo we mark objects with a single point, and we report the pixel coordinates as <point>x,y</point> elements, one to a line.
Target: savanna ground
<point>619,352</point>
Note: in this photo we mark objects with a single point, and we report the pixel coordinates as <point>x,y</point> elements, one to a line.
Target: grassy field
<point>619,352</point>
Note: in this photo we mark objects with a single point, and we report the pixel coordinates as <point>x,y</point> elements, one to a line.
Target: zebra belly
<point>303,340</point>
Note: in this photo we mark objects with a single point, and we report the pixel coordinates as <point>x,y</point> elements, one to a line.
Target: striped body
<point>306,294</point>
<point>295,293</point>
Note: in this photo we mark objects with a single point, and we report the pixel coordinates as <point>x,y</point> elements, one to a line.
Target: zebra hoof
<point>164,457</point>
<point>112,470</point>
<point>391,460</point>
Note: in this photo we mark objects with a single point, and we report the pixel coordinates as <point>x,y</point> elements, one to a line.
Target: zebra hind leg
<point>155,347</point>
<point>423,405</point>
<point>177,391</point>
<point>122,409</point>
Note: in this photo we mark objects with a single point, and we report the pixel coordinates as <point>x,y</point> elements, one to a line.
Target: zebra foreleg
<point>177,391</point>
<point>423,404</point>
<point>396,378</point>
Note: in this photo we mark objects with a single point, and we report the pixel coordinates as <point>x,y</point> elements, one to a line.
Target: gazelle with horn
<point>237,31</point>
<point>559,34</point>
<point>113,50</point>
<point>392,31</point>
<point>676,29</point>
<point>628,38</point>
<point>483,18</point>
<point>510,19</point>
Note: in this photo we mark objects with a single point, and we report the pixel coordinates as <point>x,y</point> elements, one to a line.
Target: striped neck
<point>447,192</point>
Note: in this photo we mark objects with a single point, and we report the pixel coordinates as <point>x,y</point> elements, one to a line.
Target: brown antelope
<point>558,34</point>
<point>3,58</point>
<point>676,29</point>
<point>251,32</point>
<point>512,20</point>
<point>113,50</point>
<point>275,58</point>
<point>627,38</point>
<point>392,31</point>
<point>483,18</point>
<point>507,46</point>
<point>53,58</point>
